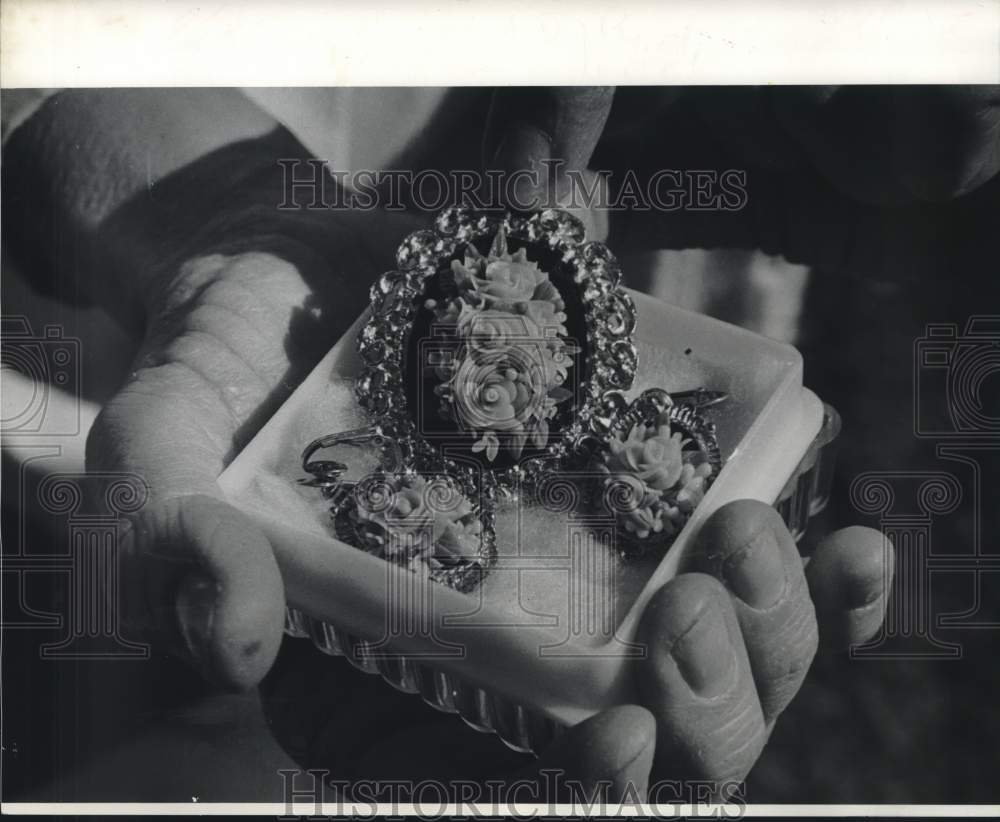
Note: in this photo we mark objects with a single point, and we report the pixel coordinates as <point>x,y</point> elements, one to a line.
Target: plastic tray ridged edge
<point>804,495</point>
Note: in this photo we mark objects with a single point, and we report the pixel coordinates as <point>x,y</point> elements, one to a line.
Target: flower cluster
<point>505,376</point>
<point>418,522</point>
<point>652,483</point>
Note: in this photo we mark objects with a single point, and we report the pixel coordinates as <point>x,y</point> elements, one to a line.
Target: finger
<point>948,139</point>
<point>850,576</point>
<point>746,546</point>
<point>610,753</point>
<point>891,145</point>
<point>527,126</point>
<point>697,682</point>
<point>204,582</point>
<point>210,584</point>
<point>636,108</point>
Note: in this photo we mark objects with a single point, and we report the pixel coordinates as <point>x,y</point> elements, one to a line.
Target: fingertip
<point>229,605</point>
<point>674,608</point>
<point>617,735</point>
<point>617,744</point>
<point>852,567</point>
<point>746,545</point>
<point>250,610</point>
<point>850,576</point>
<point>689,630</point>
<point>735,524</point>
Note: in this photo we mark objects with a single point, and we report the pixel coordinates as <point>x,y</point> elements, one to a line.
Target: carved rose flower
<point>502,391</point>
<point>652,483</point>
<point>635,506</point>
<point>692,484</point>
<point>652,454</point>
<point>505,375</point>
<point>411,517</point>
<point>510,281</point>
<point>504,279</point>
<point>498,330</point>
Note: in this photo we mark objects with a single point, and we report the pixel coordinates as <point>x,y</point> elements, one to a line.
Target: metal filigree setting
<point>600,413</point>
<point>608,318</point>
<point>464,575</point>
<point>683,417</point>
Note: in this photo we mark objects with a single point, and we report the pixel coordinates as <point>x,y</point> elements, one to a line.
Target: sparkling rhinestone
<point>423,249</point>
<point>605,380</point>
<point>451,219</point>
<point>556,226</point>
<point>474,227</point>
<point>595,289</point>
<point>624,364</point>
<point>611,404</point>
<point>516,226</point>
<point>388,281</point>
<point>374,380</point>
<point>374,351</point>
<point>379,402</point>
<point>656,398</point>
<point>596,254</point>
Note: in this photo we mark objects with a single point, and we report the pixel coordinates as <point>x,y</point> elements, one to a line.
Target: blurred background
<point>909,719</point>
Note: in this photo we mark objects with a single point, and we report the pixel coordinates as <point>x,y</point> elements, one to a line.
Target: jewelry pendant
<point>501,350</point>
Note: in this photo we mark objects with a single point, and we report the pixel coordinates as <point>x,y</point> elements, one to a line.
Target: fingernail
<point>195,603</point>
<point>704,654</point>
<point>756,572</point>
<point>522,149</point>
<point>521,146</point>
<point>861,591</point>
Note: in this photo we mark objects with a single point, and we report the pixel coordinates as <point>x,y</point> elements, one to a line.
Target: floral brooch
<point>498,352</point>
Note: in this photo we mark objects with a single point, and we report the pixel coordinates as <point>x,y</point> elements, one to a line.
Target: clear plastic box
<point>547,639</point>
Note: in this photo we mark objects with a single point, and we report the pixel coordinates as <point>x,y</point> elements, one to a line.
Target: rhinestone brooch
<point>496,356</point>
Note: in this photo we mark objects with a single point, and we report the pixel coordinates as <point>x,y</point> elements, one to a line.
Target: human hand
<point>818,158</point>
<point>732,637</point>
<point>728,643</point>
<point>234,316</point>
<point>228,339</point>
<point>231,330</point>
<point>233,300</point>
<point>229,335</point>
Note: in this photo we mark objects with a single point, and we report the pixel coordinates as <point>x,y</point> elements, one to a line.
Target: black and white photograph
<point>498,447</point>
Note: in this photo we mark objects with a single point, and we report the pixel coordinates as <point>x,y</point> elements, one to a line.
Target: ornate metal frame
<point>602,411</point>
<point>609,317</point>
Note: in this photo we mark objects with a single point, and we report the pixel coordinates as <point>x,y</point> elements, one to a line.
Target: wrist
<point>85,155</point>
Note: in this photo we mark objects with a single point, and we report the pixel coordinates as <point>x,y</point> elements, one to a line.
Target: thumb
<point>527,127</point>
<point>201,580</point>
<point>197,574</point>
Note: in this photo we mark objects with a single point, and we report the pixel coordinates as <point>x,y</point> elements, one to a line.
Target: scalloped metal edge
<point>609,316</point>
